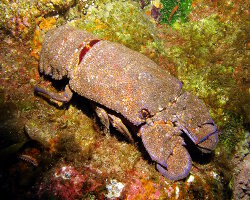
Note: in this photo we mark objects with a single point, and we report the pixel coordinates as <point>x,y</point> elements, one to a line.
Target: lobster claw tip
<point>167,150</point>
<point>179,164</point>
<point>209,142</point>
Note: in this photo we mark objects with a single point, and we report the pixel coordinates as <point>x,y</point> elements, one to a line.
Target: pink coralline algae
<point>142,189</point>
<point>66,183</point>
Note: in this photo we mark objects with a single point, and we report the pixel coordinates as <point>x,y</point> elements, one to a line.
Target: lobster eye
<point>144,113</point>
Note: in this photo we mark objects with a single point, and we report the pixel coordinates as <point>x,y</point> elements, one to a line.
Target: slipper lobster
<point>130,92</point>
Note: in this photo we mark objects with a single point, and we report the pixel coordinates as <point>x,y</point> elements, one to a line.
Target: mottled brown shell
<point>129,83</point>
<point>60,50</point>
<point>124,81</point>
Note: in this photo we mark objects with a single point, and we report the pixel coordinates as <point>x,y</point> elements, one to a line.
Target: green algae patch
<point>83,128</point>
<point>233,136</point>
<point>63,132</point>
<point>119,21</point>
<point>207,60</point>
<point>173,11</point>
<point>114,158</point>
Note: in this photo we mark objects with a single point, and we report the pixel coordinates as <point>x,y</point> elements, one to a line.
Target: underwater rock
<point>11,125</point>
<point>242,180</point>
<point>19,17</point>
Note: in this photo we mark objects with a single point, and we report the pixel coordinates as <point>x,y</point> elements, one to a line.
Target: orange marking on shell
<point>86,49</point>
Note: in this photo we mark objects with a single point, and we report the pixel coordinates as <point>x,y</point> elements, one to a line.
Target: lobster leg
<point>103,116</point>
<point>64,97</point>
<point>118,124</point>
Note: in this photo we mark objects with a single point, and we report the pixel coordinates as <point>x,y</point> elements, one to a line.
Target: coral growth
<point>43,25</point>
<point>66,183</point>
<point>110,21</point>
<point>142,189</point>
<point>19,17</point>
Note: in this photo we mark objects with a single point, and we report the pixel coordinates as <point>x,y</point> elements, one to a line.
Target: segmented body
<point>129,85</point>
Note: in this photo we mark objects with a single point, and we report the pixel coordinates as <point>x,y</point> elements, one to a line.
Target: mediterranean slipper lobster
<point>130,92</point>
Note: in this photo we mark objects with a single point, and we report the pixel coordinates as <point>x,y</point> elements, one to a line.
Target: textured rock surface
<point>242,180</point>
